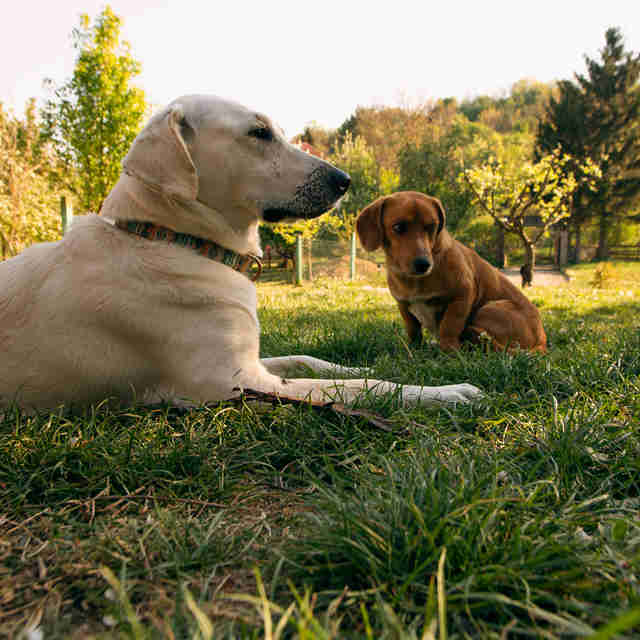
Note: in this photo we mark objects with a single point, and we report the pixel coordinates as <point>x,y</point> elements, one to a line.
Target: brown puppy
<point>442,285</point>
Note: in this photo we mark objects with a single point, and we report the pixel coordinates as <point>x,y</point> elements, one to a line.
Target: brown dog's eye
<point>261,133</point>
<point>400,227</point>
<point>429,228</point>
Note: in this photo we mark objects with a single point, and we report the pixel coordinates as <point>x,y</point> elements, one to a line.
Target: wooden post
<point>564,249</point>
<point>299,259</point>
<point>500,258</point>
<point>66,213</point>
<point>352,262</point>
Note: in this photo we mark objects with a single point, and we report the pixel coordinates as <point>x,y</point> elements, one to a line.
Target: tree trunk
<point>526,270</point>
<point>603,242</point>
<point>578,243</point>
<point>562,248</point>
<point>499,247</point>
<point>7,249</point>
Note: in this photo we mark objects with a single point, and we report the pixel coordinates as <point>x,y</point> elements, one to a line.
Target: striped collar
<point>206,248</point>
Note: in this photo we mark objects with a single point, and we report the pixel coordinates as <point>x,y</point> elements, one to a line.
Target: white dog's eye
<point>262,133</point>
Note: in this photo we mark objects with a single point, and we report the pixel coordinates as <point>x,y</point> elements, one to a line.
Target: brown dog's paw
<point>450,344</point>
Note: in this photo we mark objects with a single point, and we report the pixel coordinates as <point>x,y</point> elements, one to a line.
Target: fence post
<point>500,257</point>
<point>66,213</point>
<point>352,262</point>
<point>564,249</point>
<point>299,259</point>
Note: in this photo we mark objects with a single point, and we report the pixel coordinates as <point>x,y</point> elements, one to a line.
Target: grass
<point>515,518</point>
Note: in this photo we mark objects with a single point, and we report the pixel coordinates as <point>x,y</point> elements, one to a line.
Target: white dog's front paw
<point>460,393</point>
<point>448,394</point>
<point>355,372</point>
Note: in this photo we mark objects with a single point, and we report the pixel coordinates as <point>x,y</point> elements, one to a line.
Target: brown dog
<point>442,285</point>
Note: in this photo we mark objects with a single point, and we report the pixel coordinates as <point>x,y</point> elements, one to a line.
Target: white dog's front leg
<point>351,391</point>
<point>299,365</point>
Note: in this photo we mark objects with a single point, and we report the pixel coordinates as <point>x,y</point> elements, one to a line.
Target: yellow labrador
<point>151,301</point>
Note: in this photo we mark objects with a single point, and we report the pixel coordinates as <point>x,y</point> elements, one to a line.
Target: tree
<point>612,120</point>
<point>287,232</point>
<point>368,181</point>
<point>316,136</point>
<point>384,130</point>
<point>433,166</point>
<point>511,190</point>
<point>518,111</point>
<point>564,126</point>
<point>93,118</point>
<point>29,206</point>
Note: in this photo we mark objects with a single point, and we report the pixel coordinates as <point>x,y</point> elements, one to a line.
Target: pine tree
<point>564,126</point>
<point>598,117</point>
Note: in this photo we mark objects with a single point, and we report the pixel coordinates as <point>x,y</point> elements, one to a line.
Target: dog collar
<point>206,248</point>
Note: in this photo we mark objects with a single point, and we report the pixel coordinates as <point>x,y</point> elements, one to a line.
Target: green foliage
<point>288,231</point>
<point>432,167</point>
<point>29,205</point>
<point>94,117</point>
<point>564,127</point>
<point>612,99</point>
<point>598,117</point>
<point>385,130</point>
<point>478,231</point>
<point>355,157</point>
<point>520,111</point>
<point>318,137</point>
<point>510,187</point>
<point>603,276</point>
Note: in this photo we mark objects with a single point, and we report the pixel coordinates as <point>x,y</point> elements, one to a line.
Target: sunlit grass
<point>517,517</point>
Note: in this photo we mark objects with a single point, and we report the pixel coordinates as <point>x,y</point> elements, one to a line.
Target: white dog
<point>152,300</point>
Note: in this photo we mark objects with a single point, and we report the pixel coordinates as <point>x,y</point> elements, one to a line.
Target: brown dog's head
<point>408,226</point>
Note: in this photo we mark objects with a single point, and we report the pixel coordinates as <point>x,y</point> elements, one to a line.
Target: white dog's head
<point>232,160</point>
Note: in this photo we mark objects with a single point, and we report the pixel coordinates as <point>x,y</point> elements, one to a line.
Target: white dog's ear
<point>159,155</point>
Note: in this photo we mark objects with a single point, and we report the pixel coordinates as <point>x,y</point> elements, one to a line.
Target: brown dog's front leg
<point>412,324</point>
<point>453,324</point>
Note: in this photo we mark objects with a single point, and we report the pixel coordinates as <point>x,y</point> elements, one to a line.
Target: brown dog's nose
<point>421,265</point>
<point>340,180</point>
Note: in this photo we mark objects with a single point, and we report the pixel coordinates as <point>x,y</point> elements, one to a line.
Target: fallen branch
<point>249,395</point>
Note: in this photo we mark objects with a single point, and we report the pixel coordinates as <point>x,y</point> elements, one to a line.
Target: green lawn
<point>518,517</point>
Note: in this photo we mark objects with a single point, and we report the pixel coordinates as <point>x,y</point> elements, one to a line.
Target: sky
<point>302,61</point>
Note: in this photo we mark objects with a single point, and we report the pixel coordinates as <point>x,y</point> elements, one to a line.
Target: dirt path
<point>543,276</point>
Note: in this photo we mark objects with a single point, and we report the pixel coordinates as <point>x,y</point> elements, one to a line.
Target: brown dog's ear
<point>369,225</point>
<point>442,218</point>
<point>159,155</point>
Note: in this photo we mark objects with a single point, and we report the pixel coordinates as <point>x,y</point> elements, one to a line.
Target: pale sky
<point>317,61</point>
